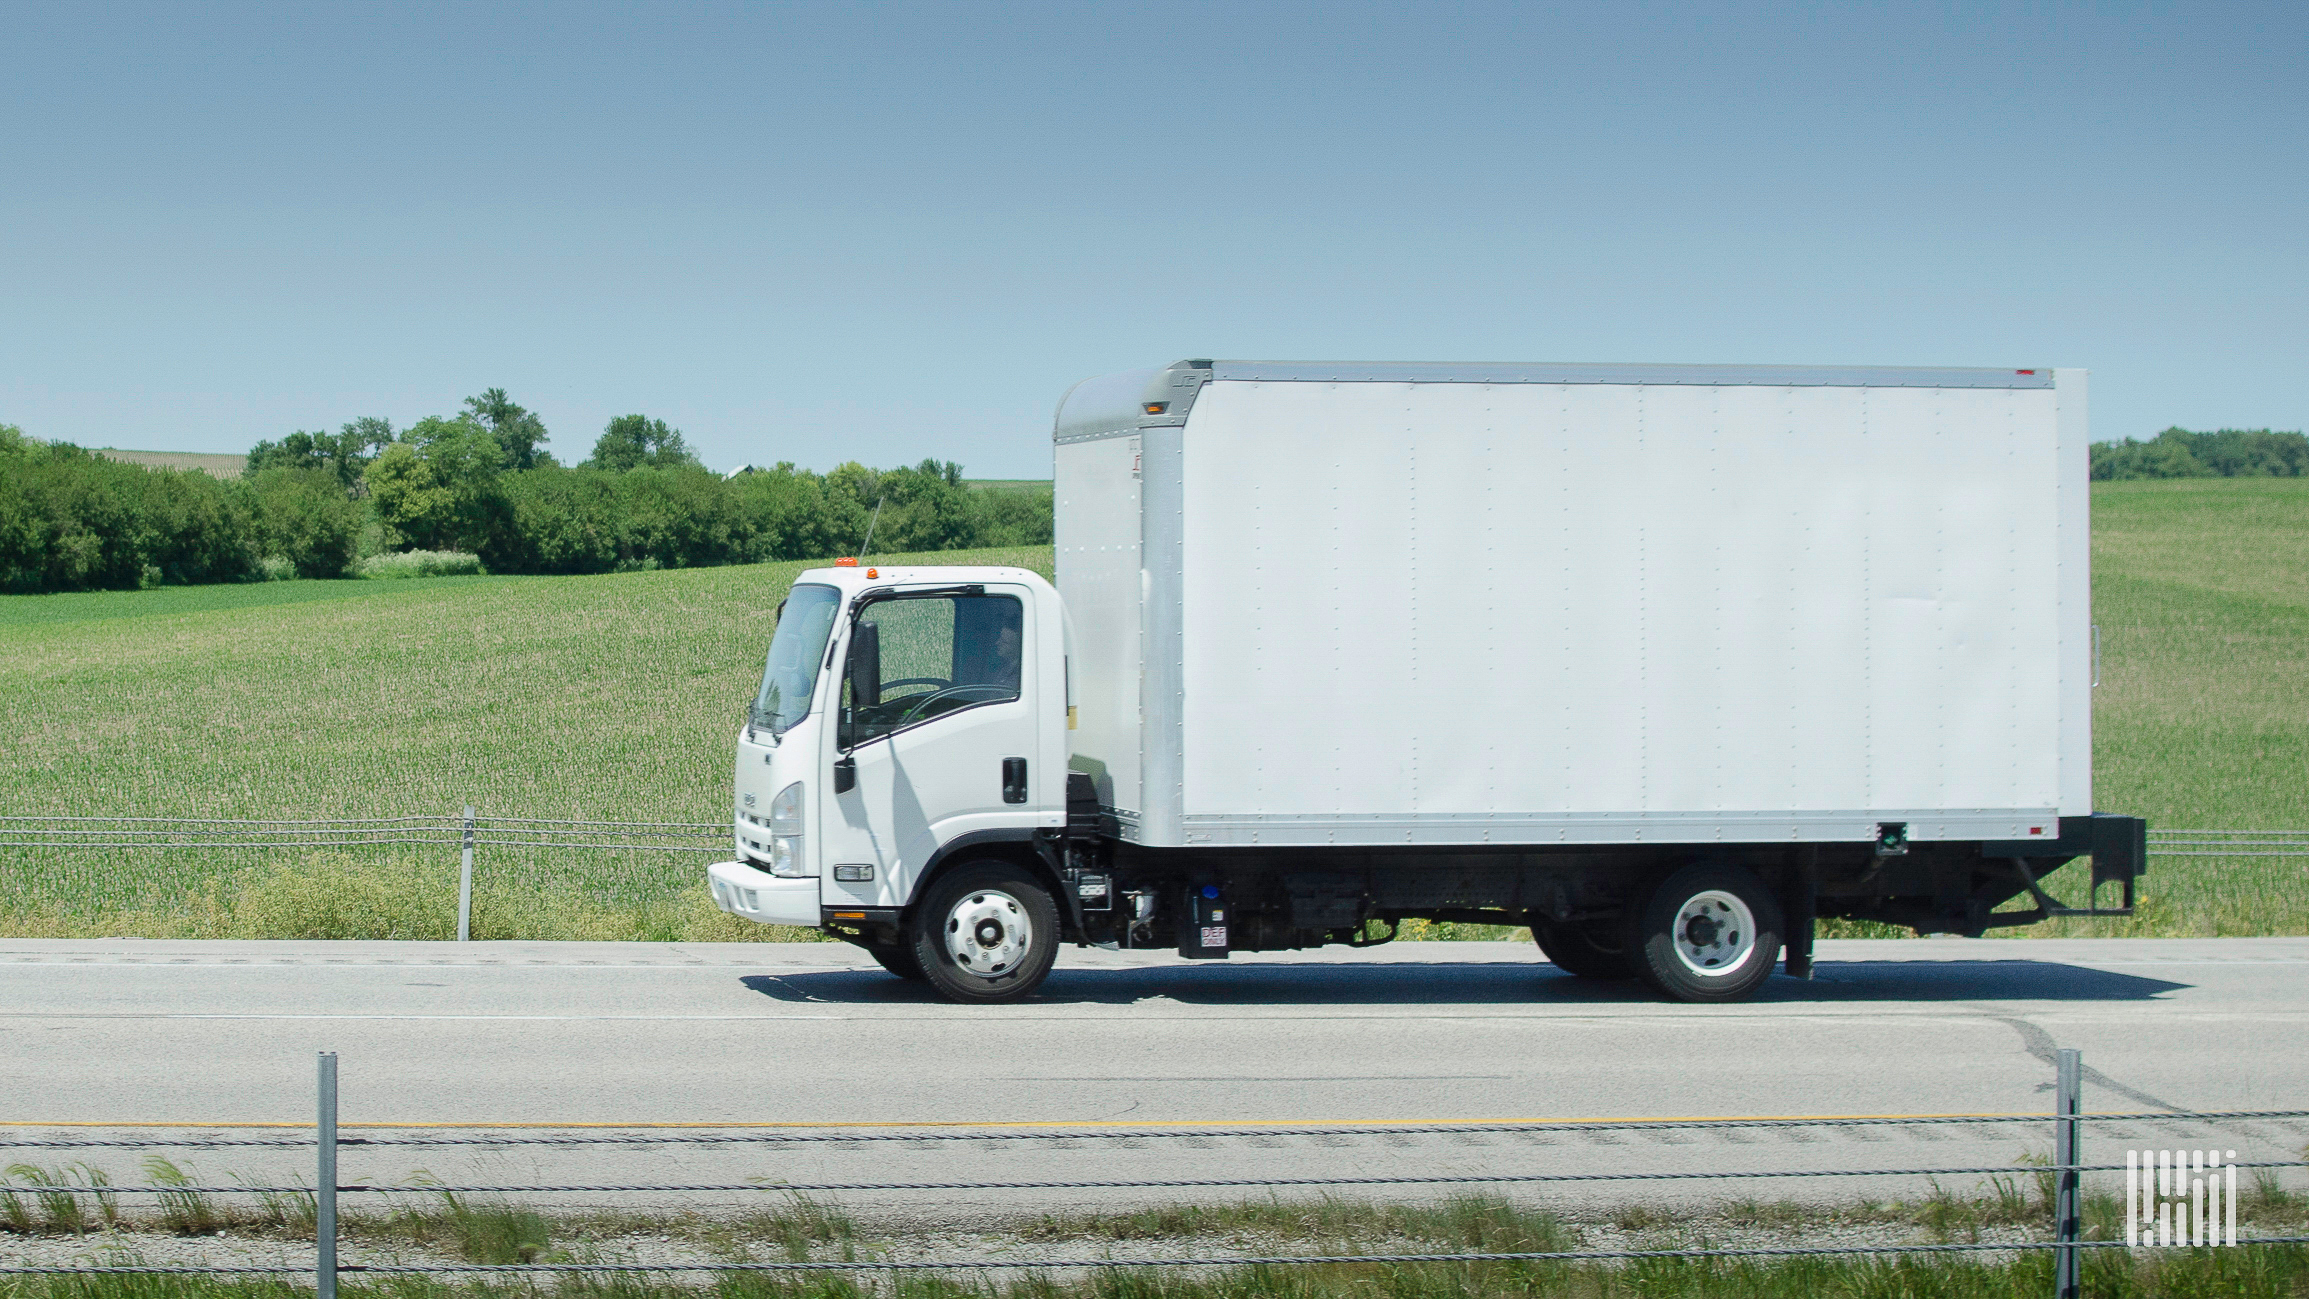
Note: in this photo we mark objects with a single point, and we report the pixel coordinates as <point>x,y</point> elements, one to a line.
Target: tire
<point>985,933</point>
<point>1710,932</point>
<point>1575,951</point>
<point>898,959</point>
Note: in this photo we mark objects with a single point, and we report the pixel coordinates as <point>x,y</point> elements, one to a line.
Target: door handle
<point>1014,780</point>
<point>845,774</point>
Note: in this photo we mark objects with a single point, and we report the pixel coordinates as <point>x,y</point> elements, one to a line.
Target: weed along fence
<point>61,863</point>
<point>2181,1199</point>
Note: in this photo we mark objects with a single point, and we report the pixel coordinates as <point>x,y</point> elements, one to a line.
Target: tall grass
<point>477,1230</point>
<point>58,1209</point>
<point>407,564</point>
<point>495,1233</point>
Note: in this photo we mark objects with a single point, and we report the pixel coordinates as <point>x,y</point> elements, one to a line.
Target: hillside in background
<point>222,466</point>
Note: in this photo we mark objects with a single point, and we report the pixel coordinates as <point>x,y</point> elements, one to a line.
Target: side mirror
<point>865,665</point>
<point>864,672</point>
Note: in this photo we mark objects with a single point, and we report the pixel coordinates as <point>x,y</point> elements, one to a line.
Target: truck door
<point>937,724</point>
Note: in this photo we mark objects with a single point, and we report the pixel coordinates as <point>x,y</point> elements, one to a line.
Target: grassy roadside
<point>445,1228</point>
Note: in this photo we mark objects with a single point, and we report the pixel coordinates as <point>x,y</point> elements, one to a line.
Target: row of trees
<point>313,503</point>
<point>73,520</point>
<point>2229,453</point>
<point>492,428</point>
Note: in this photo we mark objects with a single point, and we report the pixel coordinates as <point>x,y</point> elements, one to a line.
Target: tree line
<point>315,504</point>
<point>2178,453</point>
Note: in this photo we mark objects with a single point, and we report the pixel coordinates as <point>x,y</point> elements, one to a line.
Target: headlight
<point>786,856</point>
<point>786,810</point>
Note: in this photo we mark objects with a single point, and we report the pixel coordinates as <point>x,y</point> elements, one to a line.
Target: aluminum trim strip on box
<point>1772,376</point>
<point>1508,830</point>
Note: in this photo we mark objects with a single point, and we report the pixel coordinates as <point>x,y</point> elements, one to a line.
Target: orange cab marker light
<point>873,572</point>
<point>1157,407</point>
<point>846,561</point>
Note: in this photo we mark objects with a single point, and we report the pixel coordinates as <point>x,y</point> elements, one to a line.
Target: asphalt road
<point>107,1036</point>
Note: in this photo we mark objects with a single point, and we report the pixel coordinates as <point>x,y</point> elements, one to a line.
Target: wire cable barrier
<point>129,832</point>
<point>2066,1170</point>
<point>138,832</point>
<point>848,1135</point>
<point>1196,1183</point>
<point>2229,843</point>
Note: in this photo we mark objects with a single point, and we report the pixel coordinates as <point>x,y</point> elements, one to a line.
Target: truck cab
<point>910,722</point>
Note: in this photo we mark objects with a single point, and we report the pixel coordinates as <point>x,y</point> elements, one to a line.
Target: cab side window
<point>918,658</point>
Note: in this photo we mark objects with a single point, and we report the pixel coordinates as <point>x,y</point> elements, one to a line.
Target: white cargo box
<point>1557,604</point>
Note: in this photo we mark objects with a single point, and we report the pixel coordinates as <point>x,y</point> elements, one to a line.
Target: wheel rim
<point>1715,933</point>
<point>988,933</point>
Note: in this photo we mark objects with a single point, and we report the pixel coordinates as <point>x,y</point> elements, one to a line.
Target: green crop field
<point>2201,590</point>
<point>614,697</point>
<point>222,466</point>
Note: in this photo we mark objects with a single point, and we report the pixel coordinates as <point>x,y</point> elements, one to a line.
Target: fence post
<point>2067,1207</point>
<point>465,884</point>
<point>325,1193</point>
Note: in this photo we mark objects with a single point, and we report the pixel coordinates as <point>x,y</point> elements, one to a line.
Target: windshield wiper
<point>757,720</point>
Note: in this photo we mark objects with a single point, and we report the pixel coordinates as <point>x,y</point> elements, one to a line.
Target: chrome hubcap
<point>1715,933</point>
<point>988,934</point>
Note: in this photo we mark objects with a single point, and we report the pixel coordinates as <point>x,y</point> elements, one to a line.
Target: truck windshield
<point>795,653</point>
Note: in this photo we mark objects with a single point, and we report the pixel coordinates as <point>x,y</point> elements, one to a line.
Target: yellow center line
<point>513,1125</point>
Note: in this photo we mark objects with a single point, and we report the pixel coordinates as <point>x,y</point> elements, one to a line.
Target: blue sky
<point>820,233</point>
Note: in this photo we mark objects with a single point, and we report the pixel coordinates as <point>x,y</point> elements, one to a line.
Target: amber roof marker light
<point>1157,407</point>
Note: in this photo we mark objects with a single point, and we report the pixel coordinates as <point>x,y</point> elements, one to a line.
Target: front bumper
<point>759,896</point>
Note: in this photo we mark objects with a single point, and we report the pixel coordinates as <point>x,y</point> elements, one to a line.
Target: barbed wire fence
<point>2068,1244</point>
<point>470,833</point>
<point>514,837</point>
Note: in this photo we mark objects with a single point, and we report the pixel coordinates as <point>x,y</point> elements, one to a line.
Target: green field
<point>222,466</point>
<point>2201,590</point>
<point>614,697</point>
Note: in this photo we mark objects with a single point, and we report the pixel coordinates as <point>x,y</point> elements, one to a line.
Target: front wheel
<point>898,959</point>
<point>1710,932</point>
<point>987,932</point>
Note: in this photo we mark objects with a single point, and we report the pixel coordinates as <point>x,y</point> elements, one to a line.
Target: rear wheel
<point>1583,951</point>
<point>985,932</point>
<point>1710,932</point>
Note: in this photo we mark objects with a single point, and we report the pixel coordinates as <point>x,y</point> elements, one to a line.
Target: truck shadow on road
<point>1456,983</point>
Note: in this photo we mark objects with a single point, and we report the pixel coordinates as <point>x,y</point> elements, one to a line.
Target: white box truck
<point>1664,662</point>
